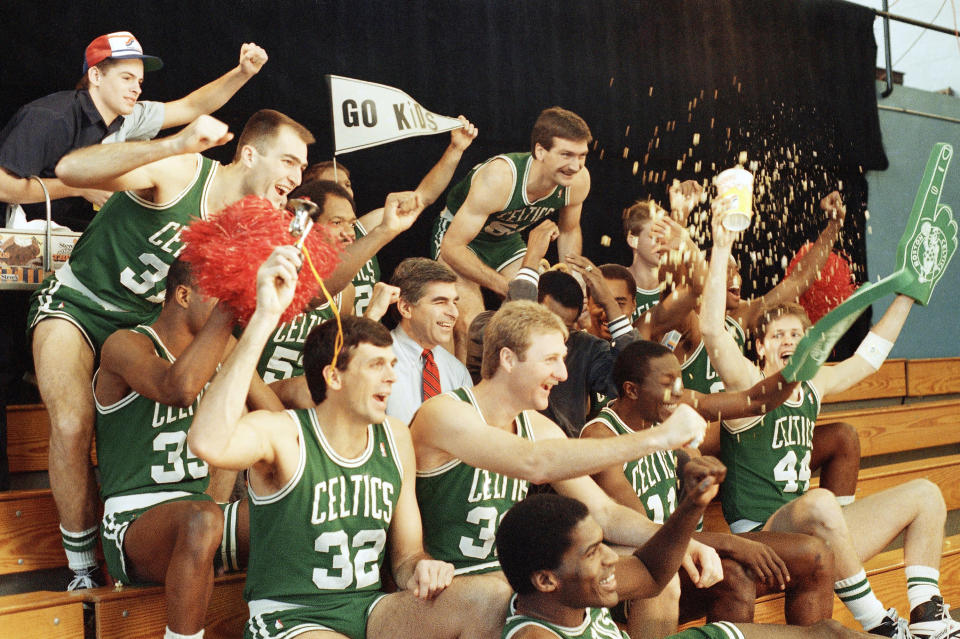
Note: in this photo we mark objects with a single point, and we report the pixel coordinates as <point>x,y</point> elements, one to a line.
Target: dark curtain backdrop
<point>788,82</point>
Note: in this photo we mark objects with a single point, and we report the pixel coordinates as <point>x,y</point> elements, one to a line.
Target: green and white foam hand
<point>930,239</point>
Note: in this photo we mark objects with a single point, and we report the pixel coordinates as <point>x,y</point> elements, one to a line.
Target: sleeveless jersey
<point>645,300</point>
<point>365,278</point>
<point>698,372</point>
<point>653,477</point>
<point>519,213</point>
<point>768,459</point>
<point>282,357</point>
<point>597,624</point>
<point>325,531</point>
<point>142,444</point>
<point>462,506</point>
<point>125,253</point>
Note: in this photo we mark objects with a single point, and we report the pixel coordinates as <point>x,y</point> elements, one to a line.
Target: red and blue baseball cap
<point>120,45</point>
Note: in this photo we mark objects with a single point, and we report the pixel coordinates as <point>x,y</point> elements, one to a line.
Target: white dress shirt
<point>407,392</point>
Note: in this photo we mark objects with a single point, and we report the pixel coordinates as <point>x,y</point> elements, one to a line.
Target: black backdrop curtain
<point>789,82</point>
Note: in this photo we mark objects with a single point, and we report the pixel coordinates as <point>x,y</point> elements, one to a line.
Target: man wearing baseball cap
<point>103,108</point>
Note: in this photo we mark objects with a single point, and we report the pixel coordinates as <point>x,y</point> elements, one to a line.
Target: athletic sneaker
<point>931,620</point>
<point>84,578</point>
<point>893,625</point>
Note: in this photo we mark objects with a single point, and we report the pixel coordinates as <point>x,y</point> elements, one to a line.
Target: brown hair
<point>103,66</point>
<point>263,126</point>
<point>636,216</point>
<point>512,327</point>
<point>318,350</point>
<point>314,171</point>
<point>560,123</point>
<point>413,274</point>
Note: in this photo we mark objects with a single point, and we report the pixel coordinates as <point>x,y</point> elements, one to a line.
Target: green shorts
<point>55,300</point>
<point>496,254</point>
<point>346,613</point>
<point>715,630</point>
<point>113,527</point>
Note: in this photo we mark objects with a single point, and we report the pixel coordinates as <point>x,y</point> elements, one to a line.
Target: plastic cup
<point>735,197</point>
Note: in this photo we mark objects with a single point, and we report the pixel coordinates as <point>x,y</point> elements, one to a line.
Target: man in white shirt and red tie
<point>428,312</point>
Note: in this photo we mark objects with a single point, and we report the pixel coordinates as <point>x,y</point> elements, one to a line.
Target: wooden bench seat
<point>938,376</point>
<point>894,429</point>
<point>29,532</point>
<point>28,438</point>
<point>41,615</point>
<point>135,612</point>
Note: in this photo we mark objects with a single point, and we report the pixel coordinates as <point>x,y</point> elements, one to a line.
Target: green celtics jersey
<point>653,477</point>
<point>698,372</point>
<point>768,458</point>
<point>125,253</point>
<point>325,531</point>
<point>597,624</point>
<point>282,357</point>
<point>365,279</point>
<point>645,299</point>
<point>142,444</point>
<point>462,506</point>
<point>518,213</point>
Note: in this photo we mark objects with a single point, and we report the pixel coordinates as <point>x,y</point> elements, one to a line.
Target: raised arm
<point>808,267</point>
<point>871,353</point>
<point>437,179</point>
<point>214,95</point>
<point>759,399</point>
<point>736,371</point>
<point>130,356</point>
<point>489,192</point>
<point>134,166</point>
<point>221,433</point>
<point>456,428</point>
<point>400,211</point>
<point>570,240</point>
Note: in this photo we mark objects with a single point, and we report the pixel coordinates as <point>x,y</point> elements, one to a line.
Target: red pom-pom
<point>226,251</point>
<point>834,285</point>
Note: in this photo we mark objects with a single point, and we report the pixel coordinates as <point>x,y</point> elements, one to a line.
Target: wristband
<point>874,349</point>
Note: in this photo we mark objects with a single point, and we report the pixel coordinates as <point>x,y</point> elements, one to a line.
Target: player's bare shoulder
<point>580,187</point>
<point>543,427</point>
<point>492,185</point>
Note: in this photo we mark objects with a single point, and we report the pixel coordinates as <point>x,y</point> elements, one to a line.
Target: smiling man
<point>428,312</point>
<point>116,276</point>
<point>478,233</point>
<point>566,578</point>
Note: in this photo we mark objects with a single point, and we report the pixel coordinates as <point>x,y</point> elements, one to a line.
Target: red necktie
<point>431,376</point>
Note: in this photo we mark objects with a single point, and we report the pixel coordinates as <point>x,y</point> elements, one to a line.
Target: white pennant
<point>366,114</point>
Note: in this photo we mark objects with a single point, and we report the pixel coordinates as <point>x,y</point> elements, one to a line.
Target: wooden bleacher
<point>906,406</point>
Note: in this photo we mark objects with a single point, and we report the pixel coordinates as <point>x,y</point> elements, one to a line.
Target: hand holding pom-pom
<point>226,251</point>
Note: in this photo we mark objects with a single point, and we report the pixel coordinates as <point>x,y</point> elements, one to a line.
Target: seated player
<point>331,490</point>
<point>566,578</point>
<point>478,233</point>
<point>160,523</point>
<point>648,378</point>
<point>768,459</point>
<point>429,189</point>
<point>478,450</point>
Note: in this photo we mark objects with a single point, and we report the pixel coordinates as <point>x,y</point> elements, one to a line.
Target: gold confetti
<point>626,152</point>
<point>611,80</point>
<point>696,139</point>
<point>742,158</point>
<point>604,240</point>
<point>636,167</point>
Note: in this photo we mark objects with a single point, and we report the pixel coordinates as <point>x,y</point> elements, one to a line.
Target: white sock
<point>170,634</point>
<point>857,595</point>
<point>923,583</point>
<point>80,548</point>
<point>845,500</point>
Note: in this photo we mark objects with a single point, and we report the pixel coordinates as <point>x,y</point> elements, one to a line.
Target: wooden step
<point>29,532</point>
<point>141,612</point>
<point>28,438</point>
<point>41,615</point>
<point>894,429</point>
<point>889,381</point>
<point>938,376</point>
